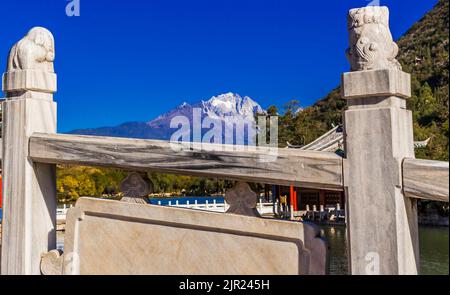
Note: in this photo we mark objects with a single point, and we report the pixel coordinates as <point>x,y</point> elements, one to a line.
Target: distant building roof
<point>333,141</point>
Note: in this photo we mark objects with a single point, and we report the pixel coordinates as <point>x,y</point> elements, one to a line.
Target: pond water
<point>434,249</point>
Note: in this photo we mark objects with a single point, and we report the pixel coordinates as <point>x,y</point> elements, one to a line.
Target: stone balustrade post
<point>381,221</point>
<point>29,189</point>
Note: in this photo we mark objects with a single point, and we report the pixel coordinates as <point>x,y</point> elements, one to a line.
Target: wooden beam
<point>426,179</point>
<point>321,170</point>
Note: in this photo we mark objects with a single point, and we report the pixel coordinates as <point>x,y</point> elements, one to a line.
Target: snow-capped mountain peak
<point>220,107</point>
<point>231,104</point>
<point>217,107</point>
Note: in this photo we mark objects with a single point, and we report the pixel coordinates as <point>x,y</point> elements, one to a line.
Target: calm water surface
<point>433,249</point>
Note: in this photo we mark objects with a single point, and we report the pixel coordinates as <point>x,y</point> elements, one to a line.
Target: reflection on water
<point>433,249</point>
<point>337,242</point>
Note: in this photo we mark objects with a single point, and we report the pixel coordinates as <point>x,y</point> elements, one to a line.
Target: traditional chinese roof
<point>333,141</point>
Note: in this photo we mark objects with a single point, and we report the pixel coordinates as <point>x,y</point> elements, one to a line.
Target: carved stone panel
<point>112,237</point>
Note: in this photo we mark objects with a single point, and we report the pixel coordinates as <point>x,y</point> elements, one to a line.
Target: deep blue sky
<point>133,60</point>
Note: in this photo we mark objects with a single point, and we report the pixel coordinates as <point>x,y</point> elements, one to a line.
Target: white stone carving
<point>52,263</point>
<point>30,71</point>
<point>135,188</point>
<point>242,200</point>
<point>371,43</point>
<point>35,51</point>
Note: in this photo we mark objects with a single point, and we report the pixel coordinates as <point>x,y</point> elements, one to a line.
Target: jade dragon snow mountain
<point>219,108</point>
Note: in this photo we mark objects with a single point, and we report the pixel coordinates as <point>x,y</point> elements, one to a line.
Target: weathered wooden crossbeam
<point>426,179</point>
<point>321,170</point>
<point>422,179</point>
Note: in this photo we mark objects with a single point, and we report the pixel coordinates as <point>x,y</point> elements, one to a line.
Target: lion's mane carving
<point>35,51</point>
<point>371,43</point>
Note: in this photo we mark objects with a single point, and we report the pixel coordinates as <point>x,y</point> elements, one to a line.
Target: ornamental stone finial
<point>242,200</point>
<point>30,72</point>
<point>35,51</point>
<point>135,188</point>
<point>371,44</point>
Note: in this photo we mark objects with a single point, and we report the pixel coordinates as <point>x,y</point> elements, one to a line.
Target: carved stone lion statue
<point>35,51</point>
<point>371,43</point>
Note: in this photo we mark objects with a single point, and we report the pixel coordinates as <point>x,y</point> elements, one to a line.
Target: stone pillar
<point>382,222</point>
<point>29,189</point>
